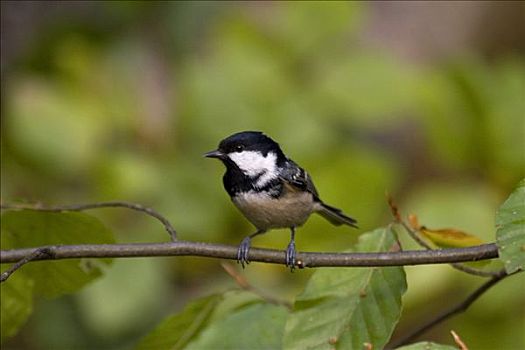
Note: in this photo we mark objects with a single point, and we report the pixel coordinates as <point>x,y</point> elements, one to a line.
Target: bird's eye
<point>239,148</point>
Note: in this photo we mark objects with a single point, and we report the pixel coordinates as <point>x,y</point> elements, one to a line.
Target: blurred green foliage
<point>119,100</point>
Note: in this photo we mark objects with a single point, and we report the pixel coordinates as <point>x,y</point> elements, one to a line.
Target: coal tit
<point>271,190</point>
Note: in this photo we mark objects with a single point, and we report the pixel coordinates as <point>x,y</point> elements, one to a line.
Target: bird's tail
<point>334,215</point>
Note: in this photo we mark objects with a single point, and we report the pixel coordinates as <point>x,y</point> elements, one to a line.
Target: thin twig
<point>461,307</point>
<point>37,254</point>
<point>414,233</point>
<point>461,345</point>
<point>112,204</point>
<point>244,284</point>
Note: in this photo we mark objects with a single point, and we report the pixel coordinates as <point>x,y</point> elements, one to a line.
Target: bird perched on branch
<point>270,189</point>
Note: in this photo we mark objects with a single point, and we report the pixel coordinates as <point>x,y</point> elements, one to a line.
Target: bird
<point>270,189</point>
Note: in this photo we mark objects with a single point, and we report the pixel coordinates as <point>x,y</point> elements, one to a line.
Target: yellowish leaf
<point>450,237</point>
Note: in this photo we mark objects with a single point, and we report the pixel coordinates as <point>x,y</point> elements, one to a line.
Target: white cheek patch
<point>253,164</point>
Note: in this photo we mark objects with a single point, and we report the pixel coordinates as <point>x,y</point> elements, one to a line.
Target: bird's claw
<point>242,252</point>
<point>290,256</point>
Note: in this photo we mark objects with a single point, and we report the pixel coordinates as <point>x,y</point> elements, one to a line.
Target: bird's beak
<point>215,154</point>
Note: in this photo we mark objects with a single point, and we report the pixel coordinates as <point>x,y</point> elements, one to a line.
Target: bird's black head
<point>250,154</point>
<point>247,142</point>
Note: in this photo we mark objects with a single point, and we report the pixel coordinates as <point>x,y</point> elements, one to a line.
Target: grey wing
<point>297,177</point>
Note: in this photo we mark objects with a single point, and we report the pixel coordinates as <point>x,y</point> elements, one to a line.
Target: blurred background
<point>119,100</point>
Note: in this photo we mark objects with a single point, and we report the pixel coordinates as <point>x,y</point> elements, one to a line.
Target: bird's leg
<point>244,248</point>
<point>290,251</point>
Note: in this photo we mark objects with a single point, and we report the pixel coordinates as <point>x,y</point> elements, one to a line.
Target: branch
<point>459,308</point>
<point>186,248</point>
<point>113,204</point>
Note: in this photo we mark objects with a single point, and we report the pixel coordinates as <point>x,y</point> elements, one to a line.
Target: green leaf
<point>510,234</point>
<point>233,301</point>
<point>206,317</point>
<point>427,346</point>
<point>176,331</point>
<point>344,308</point>
<point>256,326</point>
<point>16,304</point>
<point>16,298</point>
<point>52,278</point>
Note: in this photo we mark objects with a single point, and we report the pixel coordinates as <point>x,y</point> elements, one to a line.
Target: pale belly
<point>266,212</point>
